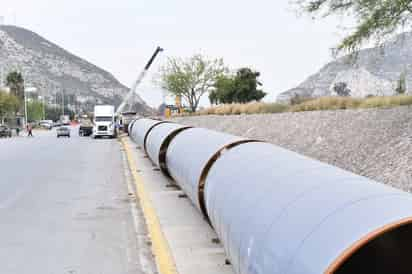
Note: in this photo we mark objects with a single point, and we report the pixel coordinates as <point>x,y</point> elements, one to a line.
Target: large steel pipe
<point>158,140</point>
<point>279,212</point>
<point>190,155</point>
<point>141,129</point>
<point>130,126</point>
<point>276,211</point>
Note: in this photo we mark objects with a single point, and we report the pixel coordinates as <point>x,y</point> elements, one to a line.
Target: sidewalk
<point>186,234</point>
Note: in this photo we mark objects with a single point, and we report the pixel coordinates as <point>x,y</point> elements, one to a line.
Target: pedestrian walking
<point>17,131</point>
<point>29,130</point>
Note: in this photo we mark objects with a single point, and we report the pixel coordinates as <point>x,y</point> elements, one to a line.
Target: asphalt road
<point>65,208</point>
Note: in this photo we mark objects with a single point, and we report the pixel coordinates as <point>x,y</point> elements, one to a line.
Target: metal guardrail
<point>276,211</point>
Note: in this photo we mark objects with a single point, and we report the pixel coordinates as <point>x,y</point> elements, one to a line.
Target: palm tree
<point>15,82</point>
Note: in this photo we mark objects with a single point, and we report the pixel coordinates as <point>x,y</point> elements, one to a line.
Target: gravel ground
<point>376,143</point>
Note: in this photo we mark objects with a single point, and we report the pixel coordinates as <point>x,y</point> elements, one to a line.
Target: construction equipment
<point>177,108</point>
<point>125,118</point>
<point>138,81</point>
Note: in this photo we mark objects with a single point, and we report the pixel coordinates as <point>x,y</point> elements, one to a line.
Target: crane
<point>138,81</point>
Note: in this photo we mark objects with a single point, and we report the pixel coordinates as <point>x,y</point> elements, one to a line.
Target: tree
<point>191,78</point>
<point>52,113</point>
<point>224,92</point>
<point>375,19</point>
<point>342,89</point>
<point>246,86</point>
<point>9,105</point>
<point>15,82</point>
<point>401,85</point>
<point>34,110</point>
<point>240,88</point>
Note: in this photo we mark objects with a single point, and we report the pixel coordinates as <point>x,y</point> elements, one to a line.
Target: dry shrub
<point>250,108</point>
<point>274,108</point>
<point>224,109</point>
<point>327,103</point>
<point>387,101</point>
<point>237,109</point>
<point>253,108</point>
<point>322,103</point>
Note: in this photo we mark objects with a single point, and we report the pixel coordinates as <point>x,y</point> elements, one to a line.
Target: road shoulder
<point>182,241</point>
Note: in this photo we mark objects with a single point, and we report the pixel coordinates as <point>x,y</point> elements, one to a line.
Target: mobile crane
<point>138,81</point>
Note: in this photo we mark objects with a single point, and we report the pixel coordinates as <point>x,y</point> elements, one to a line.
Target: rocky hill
<point>375,71</point>
<point>53,71</point>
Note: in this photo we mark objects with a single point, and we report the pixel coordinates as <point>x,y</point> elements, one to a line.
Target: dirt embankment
<point>376,143</point>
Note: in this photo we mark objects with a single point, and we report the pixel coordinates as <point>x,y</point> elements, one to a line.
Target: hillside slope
<point>53,70</point>
<point>375,71</point>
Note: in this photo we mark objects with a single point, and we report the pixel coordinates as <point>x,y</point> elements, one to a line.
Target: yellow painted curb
<point>160,248</point>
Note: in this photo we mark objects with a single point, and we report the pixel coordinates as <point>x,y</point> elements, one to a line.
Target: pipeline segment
<point>130,126</point>
<point>141,129</point>
<point>190,155</point>
<point>279,212</point>
<point>276,211</point>
<point>160,137</point>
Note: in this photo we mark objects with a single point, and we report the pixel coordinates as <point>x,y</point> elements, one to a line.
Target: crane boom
<point>138,81</point>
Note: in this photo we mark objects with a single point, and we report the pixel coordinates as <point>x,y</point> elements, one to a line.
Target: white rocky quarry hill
<point>361,83</point>
<point>375,71</point>
<point>53,70</point>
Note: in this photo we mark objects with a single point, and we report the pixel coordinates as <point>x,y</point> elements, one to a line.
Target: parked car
<point>46,124</point>
<point>5,131</point>
<point>63,131</point>
<point>57,124</point>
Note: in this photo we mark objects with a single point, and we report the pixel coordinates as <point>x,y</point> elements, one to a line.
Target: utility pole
<point>63,100</point>
<point>44,107</point>
<point>1,76</point>
<point>25,105</point>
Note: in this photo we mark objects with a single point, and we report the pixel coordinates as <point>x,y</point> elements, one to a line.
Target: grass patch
<point>322,103</point>
<point>250,108</point>
<point>388,101</point>
<point>334,103</point>
<point>327,103</point>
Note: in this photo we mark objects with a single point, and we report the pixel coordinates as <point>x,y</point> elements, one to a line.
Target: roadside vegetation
<point>191,78</point>
<point>322,103</point>
<point>240,87</point>
<point>9,105</point>
<point>375,20</point>
<point>12,102</point>
<point>249,108</point>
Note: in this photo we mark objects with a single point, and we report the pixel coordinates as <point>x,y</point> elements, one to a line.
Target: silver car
<point>63,131</point>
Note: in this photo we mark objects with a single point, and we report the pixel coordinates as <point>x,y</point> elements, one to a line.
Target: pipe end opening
<point>385,251</point>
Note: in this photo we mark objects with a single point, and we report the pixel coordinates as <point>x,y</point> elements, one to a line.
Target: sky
<point>120,36</point>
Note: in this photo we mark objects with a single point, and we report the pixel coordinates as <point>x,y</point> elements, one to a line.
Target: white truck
<point>104,122</point>
<point>65,120</point>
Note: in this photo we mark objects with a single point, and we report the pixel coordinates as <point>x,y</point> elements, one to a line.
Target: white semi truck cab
<point>104,121</point>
